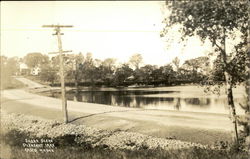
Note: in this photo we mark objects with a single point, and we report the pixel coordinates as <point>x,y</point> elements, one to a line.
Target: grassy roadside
<point>10,83</point>
<point>77,142</point>
<point>68,149</point>
<point>37,80</point>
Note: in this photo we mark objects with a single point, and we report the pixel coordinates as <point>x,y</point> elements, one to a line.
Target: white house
<point>25,70</point>
<point>35,71</point>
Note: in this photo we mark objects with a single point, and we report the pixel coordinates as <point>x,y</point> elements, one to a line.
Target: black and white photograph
<point>125,79</point>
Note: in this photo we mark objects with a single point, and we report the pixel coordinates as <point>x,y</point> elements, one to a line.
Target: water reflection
<point>198,101</point>
<point>149,100</point>
<point>77,97</point>
<point>177,104</point>
<point>119,98</point>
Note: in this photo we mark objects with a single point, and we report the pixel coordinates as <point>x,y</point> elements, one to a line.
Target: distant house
<point>24,70</point>
<point>131,77</point>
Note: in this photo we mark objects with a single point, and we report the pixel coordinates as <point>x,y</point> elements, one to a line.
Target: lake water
<point>182,98</point>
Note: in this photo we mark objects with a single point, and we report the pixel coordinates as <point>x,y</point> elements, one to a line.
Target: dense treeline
<point>85,70</point>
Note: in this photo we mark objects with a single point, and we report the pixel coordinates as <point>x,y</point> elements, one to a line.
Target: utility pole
<point>60,51</point>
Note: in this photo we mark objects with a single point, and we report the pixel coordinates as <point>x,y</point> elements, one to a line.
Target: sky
<point>107,29</point>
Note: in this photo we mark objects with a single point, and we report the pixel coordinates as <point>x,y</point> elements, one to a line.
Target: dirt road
<point>29,83</point>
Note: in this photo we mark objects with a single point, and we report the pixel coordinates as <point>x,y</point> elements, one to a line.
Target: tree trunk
<point>247,94</point>
<point>76,82</point>
<point>229,91</point>
<point>75,66</point>
<point>230,102</point>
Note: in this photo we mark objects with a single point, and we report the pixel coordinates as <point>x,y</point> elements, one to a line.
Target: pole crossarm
<point>57,26</point>
<point>57,34</point>
<point>60,52</point>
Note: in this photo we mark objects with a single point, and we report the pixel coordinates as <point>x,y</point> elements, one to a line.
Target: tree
<point>33,60</point>
<point>217,21</point>
<point>77,72</point>
<point>135,60</point>
<point>168,73</point>
<point>176,63</point>
<point>49,74</point>
<point>13,65</point>
<point>191,65</point>
<point>71,63</point>
<point>158,76</point>
<point>8,68</point>
<point>147,73</point>
<point>107,69</point>
<point>88,69</point>
<point>144,74</point>
<point>198,67</point>
<point>4,71</point>
<point>109,64</point>
<point>122,73</point>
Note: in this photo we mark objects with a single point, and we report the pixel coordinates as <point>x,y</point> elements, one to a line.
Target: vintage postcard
<point>125,79</point>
